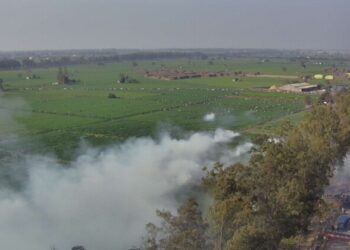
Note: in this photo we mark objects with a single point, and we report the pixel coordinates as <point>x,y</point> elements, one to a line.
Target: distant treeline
<point>8,64</point>
<point>40,59</point>
<point>13,64</point>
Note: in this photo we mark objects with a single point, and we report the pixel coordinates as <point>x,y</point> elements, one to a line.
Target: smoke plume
<point>105,197</point>
<point>210,117</point>
<point>339,183</point>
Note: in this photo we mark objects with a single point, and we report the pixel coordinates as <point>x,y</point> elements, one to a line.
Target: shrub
<point>112,96</point>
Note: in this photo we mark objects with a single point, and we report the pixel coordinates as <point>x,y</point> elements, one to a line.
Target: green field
<point>59,116</point>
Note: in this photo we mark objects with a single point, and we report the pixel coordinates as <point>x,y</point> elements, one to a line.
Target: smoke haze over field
<point>210,117</point>
<point>104,198</point>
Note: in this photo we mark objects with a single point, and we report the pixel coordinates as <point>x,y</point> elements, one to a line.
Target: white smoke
<point>104,198</point>
<point>339,183</point>
<point>7,109</point>
<point>342,171</point>
<point>210,117</point>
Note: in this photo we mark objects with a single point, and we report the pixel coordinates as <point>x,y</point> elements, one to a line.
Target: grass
<point>60,116</point>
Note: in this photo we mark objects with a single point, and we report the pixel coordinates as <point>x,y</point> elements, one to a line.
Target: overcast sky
<point>144,24</point>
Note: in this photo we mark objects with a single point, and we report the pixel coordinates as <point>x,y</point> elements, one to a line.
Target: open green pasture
<point>60,116</point>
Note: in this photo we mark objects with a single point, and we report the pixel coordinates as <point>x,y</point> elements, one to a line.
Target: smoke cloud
<point>339,183</point>
<point>210,117</point>
<point>7,122</point>
<point>104,198</point>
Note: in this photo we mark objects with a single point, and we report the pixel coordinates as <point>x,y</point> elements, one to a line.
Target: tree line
<point>13,64</point>
<point>268,203</point>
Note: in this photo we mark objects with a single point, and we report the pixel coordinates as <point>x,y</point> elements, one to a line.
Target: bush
<point>126,79</point>
<point>112,96</point>
<point>78,248</point>
<point>133,81</point>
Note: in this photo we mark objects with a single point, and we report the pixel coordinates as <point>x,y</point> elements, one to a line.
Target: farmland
<point>60,116</point>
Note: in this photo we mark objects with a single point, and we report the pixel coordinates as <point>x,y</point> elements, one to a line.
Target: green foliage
<point>63,76</point>
<point>1,85</point>
<point>185,231</point>
<point>342,109</point>
<point>123,78</point>
<point>266,204</point>
<point>230,188</point>
<point>252,236</point>
<point>112,96</point>
<point>292,243</point>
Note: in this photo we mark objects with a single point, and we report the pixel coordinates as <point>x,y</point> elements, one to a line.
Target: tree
<point>123,78</point>
<point>251,237</point>
<point>60,76</point>
<point>342,108</point>
<point>326,97</point>
<point>9,64</point>
<point>291,243</point>
<point>78,248</point>
<point>112,96</point>
<point>1,85</point>
<point>267,203</point>
<point>150,242</point>
<point>185,231</point>
<point>230,188</point>
<point>28,62</point>
<point>63,76</point>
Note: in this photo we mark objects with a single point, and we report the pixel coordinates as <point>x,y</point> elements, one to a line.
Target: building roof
<point>300,85</point>
<point>309,87</point>
<point>303,85</point>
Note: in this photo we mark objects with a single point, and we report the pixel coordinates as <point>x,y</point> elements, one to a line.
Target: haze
<point>150,24</point>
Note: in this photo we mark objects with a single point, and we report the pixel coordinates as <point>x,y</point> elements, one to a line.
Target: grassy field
<point>60,116</point>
